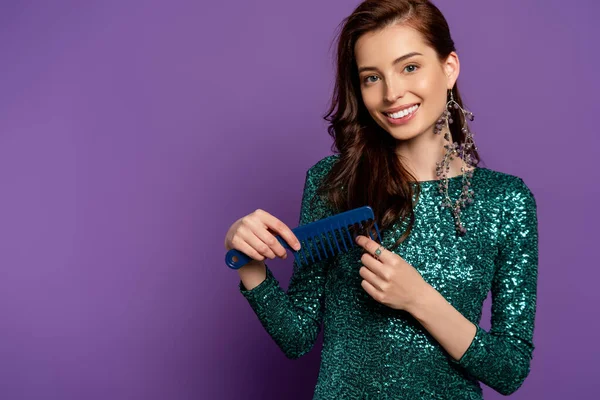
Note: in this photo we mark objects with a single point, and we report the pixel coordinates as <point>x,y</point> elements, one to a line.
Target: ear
<point>451,68</point>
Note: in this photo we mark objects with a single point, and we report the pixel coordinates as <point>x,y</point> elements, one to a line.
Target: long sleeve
<point>501,357</point>
<point>293,318</point>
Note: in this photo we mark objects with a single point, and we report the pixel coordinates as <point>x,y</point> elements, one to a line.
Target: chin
<point>405,137</point>
<point>402,132</point>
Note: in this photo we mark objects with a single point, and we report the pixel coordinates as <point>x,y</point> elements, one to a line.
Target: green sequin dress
<point>371,351</point>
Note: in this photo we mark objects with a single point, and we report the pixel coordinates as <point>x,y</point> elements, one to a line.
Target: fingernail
<point>297,246</point>
<point>285,256</point>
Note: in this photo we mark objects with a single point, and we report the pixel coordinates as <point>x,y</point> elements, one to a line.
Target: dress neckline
<point>451,179</point>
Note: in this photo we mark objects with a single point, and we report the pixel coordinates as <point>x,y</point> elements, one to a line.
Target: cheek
<point>434,94</point>
<point>428,88</point>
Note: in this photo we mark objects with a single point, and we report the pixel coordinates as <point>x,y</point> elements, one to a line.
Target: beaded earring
<point>454,149</point>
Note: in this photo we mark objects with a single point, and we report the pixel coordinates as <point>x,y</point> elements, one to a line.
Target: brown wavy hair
<point>368,171</point>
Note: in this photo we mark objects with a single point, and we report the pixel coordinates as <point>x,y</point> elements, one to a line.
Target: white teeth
<point>404,113</point>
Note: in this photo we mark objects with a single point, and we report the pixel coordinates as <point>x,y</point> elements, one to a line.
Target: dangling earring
<point>465,151</point>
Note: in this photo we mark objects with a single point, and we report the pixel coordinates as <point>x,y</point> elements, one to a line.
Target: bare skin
<point>254,235</point>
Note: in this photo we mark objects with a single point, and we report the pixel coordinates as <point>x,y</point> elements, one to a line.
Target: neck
<point>420,155</point>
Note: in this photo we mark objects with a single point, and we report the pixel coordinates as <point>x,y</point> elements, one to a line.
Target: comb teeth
<point>336,238</point>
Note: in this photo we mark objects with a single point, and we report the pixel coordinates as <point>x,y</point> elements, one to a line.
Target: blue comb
<point>321,239</point>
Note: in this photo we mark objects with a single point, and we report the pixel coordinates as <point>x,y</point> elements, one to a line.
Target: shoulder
<point>317,204</point>
<point>322,167</point>
<point>512,203</point>
<point>504,187</point>
<point>512,199</point>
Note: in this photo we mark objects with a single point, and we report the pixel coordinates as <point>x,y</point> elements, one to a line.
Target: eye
<point>415,67</point>
<point>366,79</point>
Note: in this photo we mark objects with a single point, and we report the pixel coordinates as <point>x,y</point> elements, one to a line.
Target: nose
<point>393,90</point>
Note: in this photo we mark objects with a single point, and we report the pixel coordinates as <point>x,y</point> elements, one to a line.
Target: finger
<point>374,266</point>
<point>261,247</point>
<point>261,232</point>
<point>270,240</point>
<point>372,278</point>
<point>370,289</point>
<point>248,250</point>
<point>370,246</point>
<point>281,229</point>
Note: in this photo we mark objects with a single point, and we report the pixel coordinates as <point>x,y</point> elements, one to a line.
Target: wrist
<point>422,301</point>
<point>253,274</point>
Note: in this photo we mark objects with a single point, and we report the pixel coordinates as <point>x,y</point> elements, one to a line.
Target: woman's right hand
<point>254,235</point>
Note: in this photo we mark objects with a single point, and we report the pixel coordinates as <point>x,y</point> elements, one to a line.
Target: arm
<point>444,322</point>
<point>293,318</point>
<point>501,357</point>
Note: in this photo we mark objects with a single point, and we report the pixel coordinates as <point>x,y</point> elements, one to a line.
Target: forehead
<point>383,46</point>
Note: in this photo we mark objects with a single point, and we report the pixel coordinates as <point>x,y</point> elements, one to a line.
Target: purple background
<point>133,133</point>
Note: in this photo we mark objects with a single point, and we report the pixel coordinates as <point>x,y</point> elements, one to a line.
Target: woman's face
<point>398,70</point>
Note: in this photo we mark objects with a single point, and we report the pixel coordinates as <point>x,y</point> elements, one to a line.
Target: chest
<point>461,268</point>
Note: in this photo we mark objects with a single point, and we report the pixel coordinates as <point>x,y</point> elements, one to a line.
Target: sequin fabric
<point>371,351</point>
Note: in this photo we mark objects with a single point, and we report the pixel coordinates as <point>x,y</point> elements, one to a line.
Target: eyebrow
<point>396,61</point>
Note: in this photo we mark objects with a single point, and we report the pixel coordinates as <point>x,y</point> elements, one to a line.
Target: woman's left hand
<point>390,280</point>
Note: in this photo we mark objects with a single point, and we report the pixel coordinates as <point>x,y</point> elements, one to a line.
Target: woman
<point>401,320</point>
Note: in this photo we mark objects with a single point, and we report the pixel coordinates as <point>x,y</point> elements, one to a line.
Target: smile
<point>402,116</point>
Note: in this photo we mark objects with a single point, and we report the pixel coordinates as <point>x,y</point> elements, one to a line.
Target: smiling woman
<point>397,70</point>
<point>401,321</point>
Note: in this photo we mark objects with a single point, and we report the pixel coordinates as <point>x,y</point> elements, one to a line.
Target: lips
<point>395,110</point>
